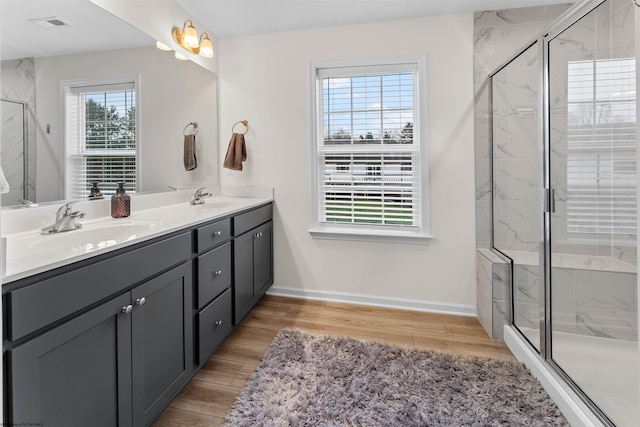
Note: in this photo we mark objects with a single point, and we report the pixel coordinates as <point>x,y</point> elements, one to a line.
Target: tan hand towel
<point>190,162</point>
<point>236,152</point>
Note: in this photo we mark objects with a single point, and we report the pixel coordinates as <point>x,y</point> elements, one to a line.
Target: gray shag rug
<point>324,380</point>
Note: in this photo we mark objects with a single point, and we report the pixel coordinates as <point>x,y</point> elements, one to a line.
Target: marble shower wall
<point>585,302</point>
<point>595,303</point>
<point>18,84</point>
<point>516,206</point>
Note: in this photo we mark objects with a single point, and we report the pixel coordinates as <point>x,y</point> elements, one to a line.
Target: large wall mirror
<point>48,46</point>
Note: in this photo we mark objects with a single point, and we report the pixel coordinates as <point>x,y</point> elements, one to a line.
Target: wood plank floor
<point>210,394</point>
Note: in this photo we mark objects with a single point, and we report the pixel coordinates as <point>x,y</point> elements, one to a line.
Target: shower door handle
<point>549,200</point>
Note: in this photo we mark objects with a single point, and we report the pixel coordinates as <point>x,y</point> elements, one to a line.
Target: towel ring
<point>244,122</point>
<point>195,128</point>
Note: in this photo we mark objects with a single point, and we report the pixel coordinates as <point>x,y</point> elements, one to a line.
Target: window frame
<point>67,86</point>
<point>368,232</point>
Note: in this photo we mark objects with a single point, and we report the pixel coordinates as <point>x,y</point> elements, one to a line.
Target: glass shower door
<point>516,184</point>
<point>592,166</point>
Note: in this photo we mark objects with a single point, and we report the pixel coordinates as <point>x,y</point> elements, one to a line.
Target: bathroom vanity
<point>111,337</point>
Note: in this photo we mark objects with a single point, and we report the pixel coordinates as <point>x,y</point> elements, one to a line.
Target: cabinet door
<point>162,341</point>
<point>263,258</point>
<point>78,374</point>
<point>243,275</point>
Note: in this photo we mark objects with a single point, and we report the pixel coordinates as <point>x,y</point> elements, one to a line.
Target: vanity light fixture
<point>187,37</point>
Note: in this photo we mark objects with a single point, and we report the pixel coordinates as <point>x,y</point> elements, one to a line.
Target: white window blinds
<point>601,141</point>
<point>368,149</point>
<point>100,138</point>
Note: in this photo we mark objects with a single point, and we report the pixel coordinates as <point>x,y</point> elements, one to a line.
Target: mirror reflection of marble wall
<point>17,113</point>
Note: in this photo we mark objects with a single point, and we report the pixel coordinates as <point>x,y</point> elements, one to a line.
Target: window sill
<point>370,236</point>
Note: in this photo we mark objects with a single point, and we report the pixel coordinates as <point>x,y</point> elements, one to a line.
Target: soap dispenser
<point>120,203</point>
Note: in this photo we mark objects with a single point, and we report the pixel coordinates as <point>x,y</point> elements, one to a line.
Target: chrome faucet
<point>197,197</point>
<point>65,220</point>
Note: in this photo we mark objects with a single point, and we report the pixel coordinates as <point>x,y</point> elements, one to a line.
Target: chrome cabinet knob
<point>217,273</point>
<point>141,301</point>
<point>216,233</point>
<point>127,309</point>
<point>219,322</point>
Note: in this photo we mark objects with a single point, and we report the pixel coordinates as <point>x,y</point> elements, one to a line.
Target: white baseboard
<point>387,302</point>
<point>574,410</point>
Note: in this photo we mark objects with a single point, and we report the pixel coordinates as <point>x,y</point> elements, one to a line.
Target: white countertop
<point>28,252</point>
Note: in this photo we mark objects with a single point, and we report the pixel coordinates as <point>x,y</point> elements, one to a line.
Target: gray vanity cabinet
<point>253,267</point>
<point>111,340</point>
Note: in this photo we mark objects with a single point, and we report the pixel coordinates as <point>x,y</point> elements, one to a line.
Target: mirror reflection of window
<point>100,138</point>
<point>601,140</point>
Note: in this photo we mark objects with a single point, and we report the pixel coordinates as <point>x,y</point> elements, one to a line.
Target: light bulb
<point>190,37</point>
<point>206,48</point>
<point>162,46</point>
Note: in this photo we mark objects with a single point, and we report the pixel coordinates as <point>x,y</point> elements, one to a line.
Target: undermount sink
<point>91,237</point>
<point>95,236</point>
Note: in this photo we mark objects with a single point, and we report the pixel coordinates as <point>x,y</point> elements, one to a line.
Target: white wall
<point>173,93</point>
<point>265,79</point>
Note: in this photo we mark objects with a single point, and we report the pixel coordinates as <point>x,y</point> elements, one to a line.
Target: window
<point>100,137</point>
<point>368,163</point>
<point>601,141</point>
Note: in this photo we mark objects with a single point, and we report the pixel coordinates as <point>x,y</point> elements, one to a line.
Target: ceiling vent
<point>49,22</point>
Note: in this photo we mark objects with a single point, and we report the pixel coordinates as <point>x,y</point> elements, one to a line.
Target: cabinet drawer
<point>214,324</point>
<point>212,235</point>
<point>248,220</point>
<point>214,273</point>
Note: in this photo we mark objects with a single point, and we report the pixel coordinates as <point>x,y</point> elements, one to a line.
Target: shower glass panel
<point>592,166</point>
<point>13,150</point>
<point>516,184</point>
